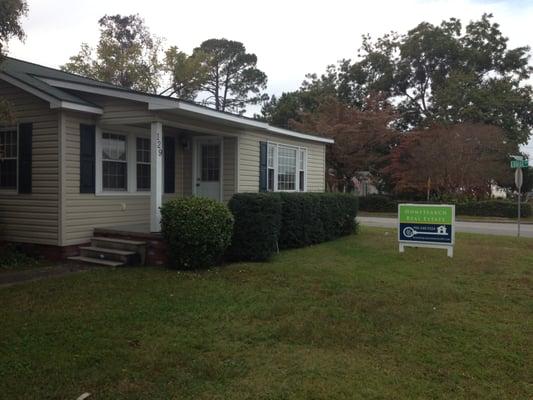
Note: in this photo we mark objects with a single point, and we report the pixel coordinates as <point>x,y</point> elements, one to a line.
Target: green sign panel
<point>519,163</point>
<point>426,214</point>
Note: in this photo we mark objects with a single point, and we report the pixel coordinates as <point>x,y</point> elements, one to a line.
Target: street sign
<point>518,178</point>
<point>426,225</point>
<point>519,163</point>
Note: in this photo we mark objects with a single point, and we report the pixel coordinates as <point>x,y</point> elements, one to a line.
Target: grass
<point>349,319</point>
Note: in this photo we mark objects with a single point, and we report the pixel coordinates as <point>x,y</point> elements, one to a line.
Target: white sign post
<point>518,180</point>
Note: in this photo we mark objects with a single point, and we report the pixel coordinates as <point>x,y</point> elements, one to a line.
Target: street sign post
<point>518,180</point>
<point>426,225</point>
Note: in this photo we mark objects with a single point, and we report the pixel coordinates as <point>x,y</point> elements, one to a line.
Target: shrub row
<point>488,208</point>
<point>265,222</point>
<point>493,208</point>
<point>199,231</point>
<point>257,224</point>
<point>377,203</point>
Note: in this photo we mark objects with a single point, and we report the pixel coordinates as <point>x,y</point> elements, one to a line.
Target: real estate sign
<point>426,225</point>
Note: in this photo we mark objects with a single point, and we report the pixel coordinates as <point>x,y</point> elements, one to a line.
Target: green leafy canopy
<point>446,73</point>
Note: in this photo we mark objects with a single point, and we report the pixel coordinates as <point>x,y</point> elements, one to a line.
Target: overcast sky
<point>290,38</point>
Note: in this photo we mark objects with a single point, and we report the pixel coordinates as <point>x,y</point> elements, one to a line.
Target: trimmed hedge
<point>303,219</point>
<point>301,224</point>
<point>377,203</point>
<point>493,208</point>
<point>310,218</point>
<point>197,231</point>
<point>487,208</point>
<point>257,225</point>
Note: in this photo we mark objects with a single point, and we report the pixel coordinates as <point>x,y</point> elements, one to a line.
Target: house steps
<point>112,252</point>
<point>96,261</point>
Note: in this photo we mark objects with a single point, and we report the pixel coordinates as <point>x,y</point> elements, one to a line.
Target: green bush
<point>493,208</point>
<point>301,224</point>
<point>302,219</point>
<point>197,231</point>
<point>310,218</point>
<point>377,203</point>
<point>257,225</point>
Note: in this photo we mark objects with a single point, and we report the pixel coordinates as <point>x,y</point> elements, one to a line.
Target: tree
<point>460,161</point>
<point>291,106</point>
<point>11,13</point>
<point>446,74</point>
<point>363,138</point>
<point>187,74</point>
<point>127,55</point>
<point>232,79</point>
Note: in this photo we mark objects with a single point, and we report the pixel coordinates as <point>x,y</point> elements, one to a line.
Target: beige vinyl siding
<point>115,109</point>
<point>84,212</point>
<point>33,218</point>
<point>249,160</point>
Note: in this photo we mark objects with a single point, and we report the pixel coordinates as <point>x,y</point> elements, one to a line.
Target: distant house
<point>84,155</point>
<point>364,183</point>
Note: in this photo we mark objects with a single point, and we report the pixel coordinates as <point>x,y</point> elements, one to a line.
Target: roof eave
<point>161,104</point>
<point>54,102</point>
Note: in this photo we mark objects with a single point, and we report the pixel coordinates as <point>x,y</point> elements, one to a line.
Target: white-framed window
<point>8,158</point>
<point>123,162</point>
<point>114,162</point>
<point>286,168</point>
<point>143,163</point>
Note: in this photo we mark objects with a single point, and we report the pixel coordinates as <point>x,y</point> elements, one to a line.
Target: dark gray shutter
<point>87,158</point>
<point>25,145</point>
<point>263,148</point>
<point>169,147</point>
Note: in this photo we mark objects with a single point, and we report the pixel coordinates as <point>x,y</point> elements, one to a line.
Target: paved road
<point>488,228</point>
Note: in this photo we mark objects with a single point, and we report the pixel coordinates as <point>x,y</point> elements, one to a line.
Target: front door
<point>208,169</point>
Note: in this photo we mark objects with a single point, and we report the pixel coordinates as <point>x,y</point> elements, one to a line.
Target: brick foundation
<point>45,251</point>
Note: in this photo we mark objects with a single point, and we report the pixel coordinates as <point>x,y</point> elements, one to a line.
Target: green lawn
<point>350,319</point>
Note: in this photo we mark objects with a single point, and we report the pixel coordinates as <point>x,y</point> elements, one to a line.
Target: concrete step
<point>125,256</point>
<point>118,241</point>
<point>96,261</point>
<point>138,247</point>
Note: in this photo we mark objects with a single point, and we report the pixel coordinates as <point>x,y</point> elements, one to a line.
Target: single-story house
<point>83,155</point>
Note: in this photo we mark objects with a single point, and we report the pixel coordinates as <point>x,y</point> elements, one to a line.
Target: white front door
<point>208,168</point>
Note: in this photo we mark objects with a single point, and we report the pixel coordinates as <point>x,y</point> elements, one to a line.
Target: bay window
<point>286,168</point>
<point>8,159</point>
